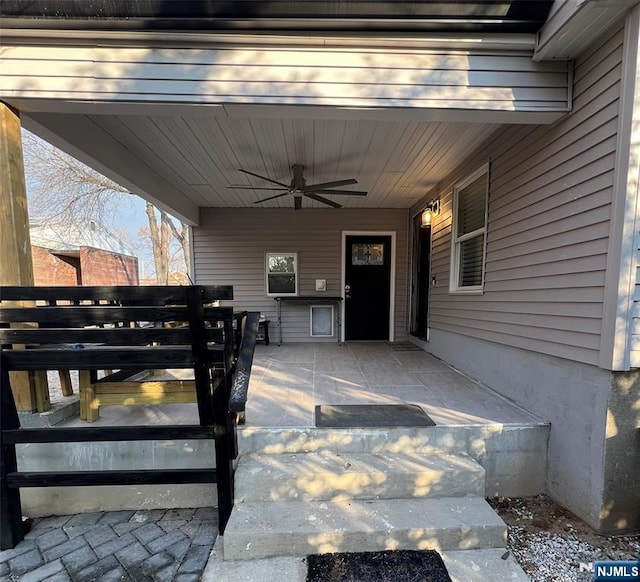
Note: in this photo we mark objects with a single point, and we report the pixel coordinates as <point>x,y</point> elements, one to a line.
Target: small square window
<point>282,273</point>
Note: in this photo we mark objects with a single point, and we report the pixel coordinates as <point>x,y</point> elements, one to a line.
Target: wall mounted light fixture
<point>430,212</point>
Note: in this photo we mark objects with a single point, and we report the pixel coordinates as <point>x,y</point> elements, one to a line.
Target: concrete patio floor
<point>288,381</point>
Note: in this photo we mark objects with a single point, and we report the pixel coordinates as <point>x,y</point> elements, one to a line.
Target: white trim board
<point>622,262</point>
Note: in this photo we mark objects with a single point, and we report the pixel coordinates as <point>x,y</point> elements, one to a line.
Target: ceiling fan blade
<point>325,185</point>
<point>340,192</point>
<point>254,188</point>
<point>271,197</point>
<point>297,202</point>
<point>323,200</point>
<point>263,178</point>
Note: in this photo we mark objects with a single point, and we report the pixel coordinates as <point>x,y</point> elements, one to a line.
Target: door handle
<point>347,291</point>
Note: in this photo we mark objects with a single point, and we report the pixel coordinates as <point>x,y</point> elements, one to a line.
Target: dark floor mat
<point>405,347</point>
<point>370,415</point>
<point>389,566</point>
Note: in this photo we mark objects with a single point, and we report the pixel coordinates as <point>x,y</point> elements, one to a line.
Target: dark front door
<point>421,279</point>
<point>367,293</point>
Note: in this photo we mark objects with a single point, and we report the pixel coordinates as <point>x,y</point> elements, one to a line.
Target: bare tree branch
<point>64,190</point>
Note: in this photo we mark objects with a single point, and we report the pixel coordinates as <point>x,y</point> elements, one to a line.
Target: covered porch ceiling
<point>190,159</point>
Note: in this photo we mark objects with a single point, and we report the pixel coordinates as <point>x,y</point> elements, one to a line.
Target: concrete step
<point>330,475</point>
<point>298,528</point>
<point>483,565</point>
<point>514,456</point>
<point>462,565</point>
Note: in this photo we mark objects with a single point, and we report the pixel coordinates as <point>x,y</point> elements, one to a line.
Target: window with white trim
<point>282,274</point>
<point>469,230</point>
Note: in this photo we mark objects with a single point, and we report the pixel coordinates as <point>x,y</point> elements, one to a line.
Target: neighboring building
<point>517,120</point>
<point>80,254</point>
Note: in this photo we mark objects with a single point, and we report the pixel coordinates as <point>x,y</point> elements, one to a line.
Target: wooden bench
<point>124,329</point>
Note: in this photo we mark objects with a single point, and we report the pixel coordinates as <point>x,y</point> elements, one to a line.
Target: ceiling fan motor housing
<point>298,182</point>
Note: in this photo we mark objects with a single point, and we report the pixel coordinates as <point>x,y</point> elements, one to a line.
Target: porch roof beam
<point>335,76</point>
<point>92,146</point>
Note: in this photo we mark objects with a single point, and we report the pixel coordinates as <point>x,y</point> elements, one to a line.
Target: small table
<point>317,299</point>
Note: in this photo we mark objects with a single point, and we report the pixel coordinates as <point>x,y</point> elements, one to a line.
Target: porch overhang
<point>174,124</point>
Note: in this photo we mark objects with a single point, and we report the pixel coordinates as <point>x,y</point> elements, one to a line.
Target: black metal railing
<point>124,328</point>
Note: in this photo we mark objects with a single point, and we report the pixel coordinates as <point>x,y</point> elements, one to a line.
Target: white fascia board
<point>33,107</point>
<point>78,136</point>
<point>573,25</point>
<point>459,41</point>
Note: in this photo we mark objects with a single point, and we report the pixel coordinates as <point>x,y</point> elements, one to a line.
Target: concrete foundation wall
<point>572,396</point>
<point>42,502</point>
<point>38,502</point>
<point>621,502</point>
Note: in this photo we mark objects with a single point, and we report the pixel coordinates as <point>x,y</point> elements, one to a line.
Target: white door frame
<point>392,276</point>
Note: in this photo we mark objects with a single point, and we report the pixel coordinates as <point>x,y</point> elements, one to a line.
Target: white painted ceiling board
<point>397,162</point>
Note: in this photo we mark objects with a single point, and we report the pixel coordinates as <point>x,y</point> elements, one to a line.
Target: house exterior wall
<point>91,267</point>
<point>535,333</point>
<point>548,225</point>
<point>230,245</point>
<point>52,269</point>
<point>99,267</point>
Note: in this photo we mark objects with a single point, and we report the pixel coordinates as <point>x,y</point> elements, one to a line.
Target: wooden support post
<point>41,388</point>
<point>65,382</point>
<point>16,267</point>
<point>89,409</point>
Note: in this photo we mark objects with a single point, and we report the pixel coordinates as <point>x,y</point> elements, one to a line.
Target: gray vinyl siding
<point>548,225</point>
<point>306,75</point>
<point>230,245</point>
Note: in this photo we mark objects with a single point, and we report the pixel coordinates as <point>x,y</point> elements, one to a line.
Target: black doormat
<point>370,415</point>
<point>389,566</point>
<point>405,347</point>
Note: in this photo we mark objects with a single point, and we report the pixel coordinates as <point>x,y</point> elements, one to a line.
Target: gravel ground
<point>550,543</point>
<point>55,391</point>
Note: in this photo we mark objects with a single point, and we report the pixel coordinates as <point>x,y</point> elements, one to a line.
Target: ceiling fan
<point>299,188</point>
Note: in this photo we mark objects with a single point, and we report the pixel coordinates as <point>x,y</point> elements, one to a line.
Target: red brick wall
<point>50,269</point>
<point>98,267</point>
